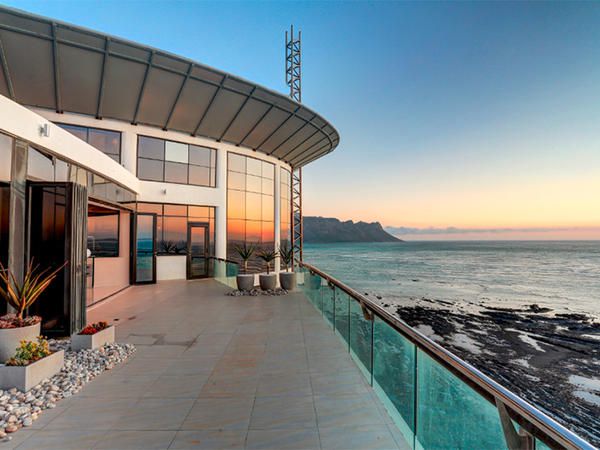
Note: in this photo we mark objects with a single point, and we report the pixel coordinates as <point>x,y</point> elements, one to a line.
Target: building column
<point>129,151</point>
<point>277,214</point>
<point>221,209</point>
<point>17,212</point>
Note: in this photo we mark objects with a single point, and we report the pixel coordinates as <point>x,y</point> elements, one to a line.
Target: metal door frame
<point>134,223</point>
<point>188,264</point>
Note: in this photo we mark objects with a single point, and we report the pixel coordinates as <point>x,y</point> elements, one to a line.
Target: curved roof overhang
<point>53,65</point>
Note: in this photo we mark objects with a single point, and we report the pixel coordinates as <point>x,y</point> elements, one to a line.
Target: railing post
<point>515,440</point>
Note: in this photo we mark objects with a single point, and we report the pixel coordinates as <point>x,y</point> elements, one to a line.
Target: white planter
<point>93,341</point>
<point>25,377</point>
<point>10,339</point>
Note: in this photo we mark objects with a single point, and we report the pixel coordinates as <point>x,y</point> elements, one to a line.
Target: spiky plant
<point>286,253</point>
<point>268,256</point>
<point>245,252</point>
<point>22,295</point>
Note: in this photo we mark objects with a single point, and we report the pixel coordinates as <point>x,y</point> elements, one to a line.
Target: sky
<point>458,120</point>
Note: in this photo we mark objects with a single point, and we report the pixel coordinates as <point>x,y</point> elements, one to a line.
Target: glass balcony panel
<point>329,304</point>
<point>342,314</point>
<point>360,338</point>
<point>450,414</point>
<point>312,286</point>
<point>539,445</point>
<point>394,370</point>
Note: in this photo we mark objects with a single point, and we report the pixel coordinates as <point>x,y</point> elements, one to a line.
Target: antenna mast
<point>293,78</point>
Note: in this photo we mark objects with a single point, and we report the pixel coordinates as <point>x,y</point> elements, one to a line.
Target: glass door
<point>197,250</point>
<point>144,248</point>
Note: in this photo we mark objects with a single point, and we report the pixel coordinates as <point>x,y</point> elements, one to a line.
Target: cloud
<point>455,230</point>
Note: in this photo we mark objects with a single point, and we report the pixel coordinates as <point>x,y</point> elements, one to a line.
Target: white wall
<point>172,267</point>
<point>150,191</point>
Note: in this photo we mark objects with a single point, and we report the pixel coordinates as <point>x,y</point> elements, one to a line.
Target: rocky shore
<point>552,359</point>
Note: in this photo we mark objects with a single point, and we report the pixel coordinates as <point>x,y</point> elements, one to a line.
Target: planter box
<point>93,341</point>
<point>10,338</point>
<point>25,377</point>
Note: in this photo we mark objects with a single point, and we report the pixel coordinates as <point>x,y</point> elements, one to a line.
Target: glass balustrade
<point>224,272</point>
<point>431,405</point>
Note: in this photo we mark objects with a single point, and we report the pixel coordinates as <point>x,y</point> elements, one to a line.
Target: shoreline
<point>551,359</point>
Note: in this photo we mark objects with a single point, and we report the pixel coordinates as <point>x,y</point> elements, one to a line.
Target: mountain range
<point>328,229</point>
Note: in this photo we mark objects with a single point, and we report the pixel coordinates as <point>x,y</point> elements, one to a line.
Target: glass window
<point>200,156</point>
<point>200,176</point>
<point>285,207</point>
<point>150,169</point>
<point>176,172</point>
<point>171,228</point>
<point>39,166</point>
<point>183,163</point>
<point>176,152</point>
<point>107,141</point>
<point>151,148</point>
<point>6,143</point>
<point>103,232</point>
<point>250,204</point>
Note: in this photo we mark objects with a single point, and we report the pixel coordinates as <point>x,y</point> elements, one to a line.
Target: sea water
<point>561,275</point>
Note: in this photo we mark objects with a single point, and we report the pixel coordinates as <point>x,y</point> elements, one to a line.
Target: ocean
<point>525,313</point>
<point>562,275</point>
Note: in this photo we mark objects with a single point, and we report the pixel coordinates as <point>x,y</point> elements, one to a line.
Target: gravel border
<point>20,409</point>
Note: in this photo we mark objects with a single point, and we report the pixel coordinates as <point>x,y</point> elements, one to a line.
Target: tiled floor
<point>214,372</point>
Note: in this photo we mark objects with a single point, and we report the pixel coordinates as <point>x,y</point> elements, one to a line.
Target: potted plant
<point>287,280</point>
<point>268,281</point>
<point>32,362</point>
<point>15,328</point>
<point>93,336</point>
<point>245,280</point>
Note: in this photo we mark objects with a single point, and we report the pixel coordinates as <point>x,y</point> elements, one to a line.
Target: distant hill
<point>325,229</point>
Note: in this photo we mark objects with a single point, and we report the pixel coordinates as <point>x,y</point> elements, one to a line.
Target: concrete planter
<point>10,338</point>
<point>25,377</point>
<point>93,341</point>
<point>287,280</point>
<point>268,281</point>
<point>245,281</point>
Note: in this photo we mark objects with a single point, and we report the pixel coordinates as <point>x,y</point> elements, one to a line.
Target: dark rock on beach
<point>551,360</point>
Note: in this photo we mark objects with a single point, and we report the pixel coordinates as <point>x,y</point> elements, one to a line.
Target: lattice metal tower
<point>293,78</point>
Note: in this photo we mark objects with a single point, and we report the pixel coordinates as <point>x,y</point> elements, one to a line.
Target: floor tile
<point>305,439</point>
<point>283,413</point>
<point>209,440</point>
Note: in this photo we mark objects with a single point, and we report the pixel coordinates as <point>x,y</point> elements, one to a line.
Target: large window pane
<point>151,148</point>
<point>236,204</point>
<point>103,233</point>
<point>236,163</point>
<point>176,152</point>
<point>6,143</point>
<point>253,206</point>
<point>200,156</point>
<point>39,166</point>
<point>199,211</point>
<point>175,210</point>
<point>175,172</point>
<point>150,169</point>
<point>254,167</point>
<point>236,180</point>
<point>268,170</point>
<point>106,141</point>
<point>80,132</point>
<point>200,176</point>
<point>268,208</point>
<point>253,184</point>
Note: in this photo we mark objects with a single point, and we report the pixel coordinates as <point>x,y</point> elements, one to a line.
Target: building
<point>155,164</point>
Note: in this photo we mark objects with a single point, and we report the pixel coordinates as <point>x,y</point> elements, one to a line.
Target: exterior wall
<point>159,192</point>
<point>111,274</point>
<point>170,267</point>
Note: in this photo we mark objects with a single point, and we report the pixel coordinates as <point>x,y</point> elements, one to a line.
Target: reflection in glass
<point>144,245</point>
<point>6,143</point>
<point>4,210</point>
<point>175,172</point>
<point>176,152</point>
<point>149,169</point>
<point>200,176</point>
<point>200,156</point>
<point>39,166</point>
<point>107,141</point>
<point>151,148</point>
<point>103,231</point>
<point>236,163</point>
<point>253,184</point>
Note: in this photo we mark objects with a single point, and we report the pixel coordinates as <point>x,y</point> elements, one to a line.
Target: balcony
<point>215,371</point>
<point>321,368</point>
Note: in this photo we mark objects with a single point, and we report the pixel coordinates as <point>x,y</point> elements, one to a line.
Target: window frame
<point>87,137</point>
<point>212,159</point>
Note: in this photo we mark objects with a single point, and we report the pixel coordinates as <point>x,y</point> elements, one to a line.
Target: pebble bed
<point>256,292</point>
<point>20,409</point>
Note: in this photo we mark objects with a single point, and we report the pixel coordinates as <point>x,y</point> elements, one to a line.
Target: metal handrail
<point>224,260</point>
<point>536,418</point>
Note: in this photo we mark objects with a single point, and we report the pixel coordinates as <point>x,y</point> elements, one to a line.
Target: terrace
<point>215,371</point>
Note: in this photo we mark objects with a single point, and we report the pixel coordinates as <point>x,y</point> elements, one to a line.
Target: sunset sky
<point>481,116</point>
